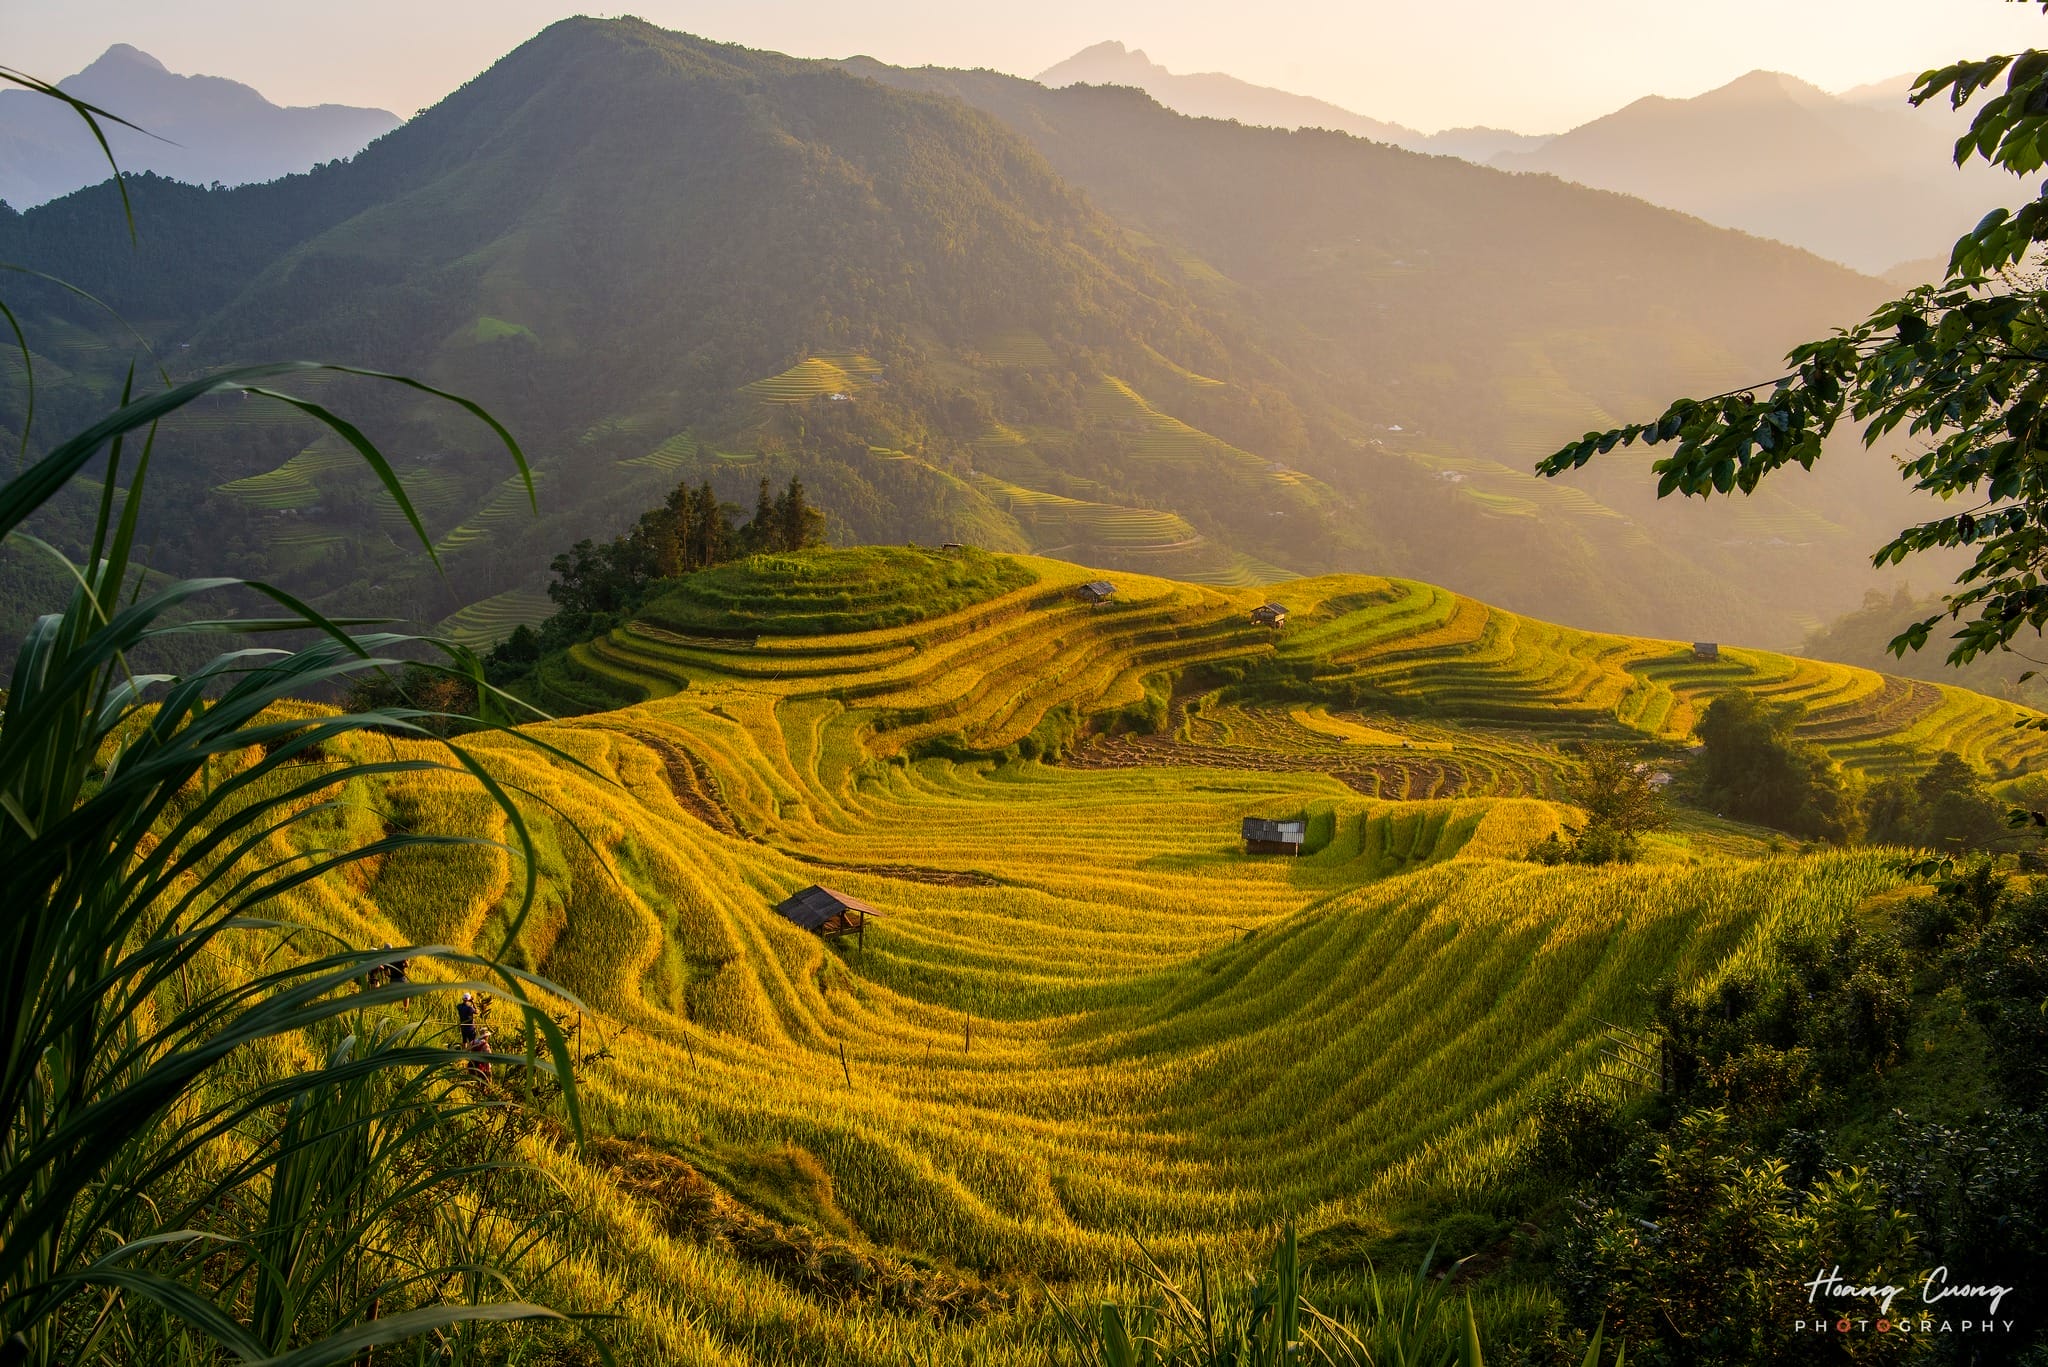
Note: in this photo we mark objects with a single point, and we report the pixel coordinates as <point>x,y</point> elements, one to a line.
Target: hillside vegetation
<point>1084,1014</point>
<point>1072,323</point>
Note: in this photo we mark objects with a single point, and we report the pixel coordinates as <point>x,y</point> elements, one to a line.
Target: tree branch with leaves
<point>1961,366</point>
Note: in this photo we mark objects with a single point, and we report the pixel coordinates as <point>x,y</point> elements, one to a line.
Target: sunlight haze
<point>1538,68</point>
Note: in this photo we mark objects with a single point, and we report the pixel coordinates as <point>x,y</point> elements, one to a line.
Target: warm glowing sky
<point>1522,64</point>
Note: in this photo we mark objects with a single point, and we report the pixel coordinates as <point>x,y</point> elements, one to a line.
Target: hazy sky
<point>1524,64</point>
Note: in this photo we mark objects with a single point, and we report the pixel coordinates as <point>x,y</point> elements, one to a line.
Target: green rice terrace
<point>1083,1014</point>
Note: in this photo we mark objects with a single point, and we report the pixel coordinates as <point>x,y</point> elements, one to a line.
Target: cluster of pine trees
<point>691,530</point>
<point>596,584</point>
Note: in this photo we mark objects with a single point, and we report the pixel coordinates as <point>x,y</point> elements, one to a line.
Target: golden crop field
<point>484,623</point>
<point>1084,1015</point>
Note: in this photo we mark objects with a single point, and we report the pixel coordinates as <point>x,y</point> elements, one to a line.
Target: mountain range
<point>1859,177</point>
<point>960,306</point>
<point>199,129</point>
<point>1215,95</point>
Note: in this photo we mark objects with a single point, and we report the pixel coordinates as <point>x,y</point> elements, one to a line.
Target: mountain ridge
<point>1219,95</point>
<point>1852,177</point>
<point>195,128</point>
<point>973,309</point>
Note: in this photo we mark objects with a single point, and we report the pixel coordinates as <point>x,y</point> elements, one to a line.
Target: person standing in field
<point>465,1013</point>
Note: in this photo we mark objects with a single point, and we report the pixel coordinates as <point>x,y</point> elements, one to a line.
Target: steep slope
<point>662,258</point>
<point>1215,95</point>
<point>198,129</point>
<point>1086,326</point>
<point>1413,649</point>
<point>1461,321</point>
<point>1862,179</point>
<point>1083,1012</point>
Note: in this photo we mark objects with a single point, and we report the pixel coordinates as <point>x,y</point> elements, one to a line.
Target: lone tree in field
<point>1961,365</point>
<point>1614,788</point>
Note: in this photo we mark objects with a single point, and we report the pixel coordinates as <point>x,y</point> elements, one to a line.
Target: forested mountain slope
<point>1461,319</point>
<point>1126,337</point>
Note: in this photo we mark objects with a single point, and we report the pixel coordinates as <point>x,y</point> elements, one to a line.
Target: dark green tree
<point>798,524</point>
<point>710,535</point>
<point>764,533</point>
<point>1960,366</point>
<point>1755,769</point>
<point>1947,808</point>
<point>1613,785</point>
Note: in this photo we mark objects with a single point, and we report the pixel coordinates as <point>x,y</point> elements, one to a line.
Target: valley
<point>869,715</point>
<point>1083,1015</point>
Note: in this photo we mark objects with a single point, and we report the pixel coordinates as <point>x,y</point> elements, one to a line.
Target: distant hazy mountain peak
<point>199,129</point>
<point>1762,86</point>
<point>1854,177</point>
<point>1105,63</point>
<point>1892,91</point>
<point>1218,95</point>
<point>123,56</point>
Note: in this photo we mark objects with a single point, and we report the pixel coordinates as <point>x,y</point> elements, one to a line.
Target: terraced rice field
<point>1423,649</point>
<point>816,377</point>
<point>1147,540</point>
<point>1183,374</point>
<point>1161,437</point>
<point>293,484</point>
<point>1084,1014</point>
<point>488,329</point>
<point>306,539</point>
<point>485,623</point>
<point>508,501</point>
<point>1022,348</point>
<point>669,457</point>
<point>436,495</point>
<point>226,417</point>
<point>625,427</point>
<point>1507,491</point>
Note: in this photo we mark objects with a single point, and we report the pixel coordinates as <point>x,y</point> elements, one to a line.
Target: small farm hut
<point>1270,615</point>
<point>826,912</point>
<point>1273,837</point>
<point>1705,650</point>
<point>1096,591</point>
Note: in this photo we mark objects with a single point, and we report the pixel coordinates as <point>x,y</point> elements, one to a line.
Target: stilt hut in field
<point>1270,615</point>
<point>1273,837</point>
<point>1096,591</point>
<point>826,912</point>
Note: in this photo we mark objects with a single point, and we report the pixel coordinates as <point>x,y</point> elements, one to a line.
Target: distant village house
<point>1273,837</point>
<point>1270,615</point>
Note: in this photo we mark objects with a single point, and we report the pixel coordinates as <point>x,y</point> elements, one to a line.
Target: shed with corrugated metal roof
<point>1263,836</point>
<point>826,911</point>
